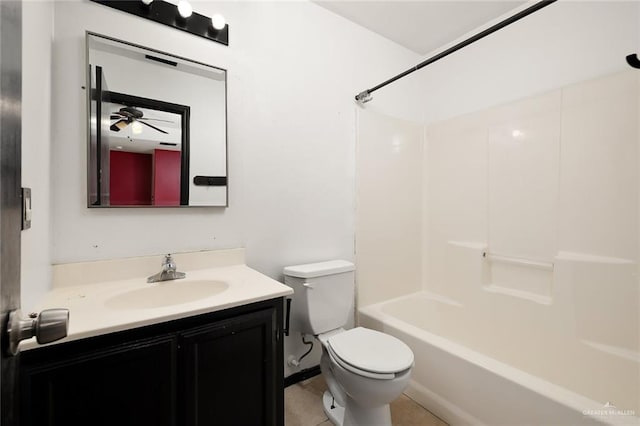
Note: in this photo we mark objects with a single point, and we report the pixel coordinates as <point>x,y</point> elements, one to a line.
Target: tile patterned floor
<point>302,407</point>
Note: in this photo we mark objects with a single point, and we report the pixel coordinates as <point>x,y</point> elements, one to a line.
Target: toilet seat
<point>370,353</point>
<point>357,371</point>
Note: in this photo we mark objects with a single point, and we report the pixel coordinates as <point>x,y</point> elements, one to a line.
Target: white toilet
<point>364,369</point>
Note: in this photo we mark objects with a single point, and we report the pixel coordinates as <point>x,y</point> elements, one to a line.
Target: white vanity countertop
<point>106,307</point>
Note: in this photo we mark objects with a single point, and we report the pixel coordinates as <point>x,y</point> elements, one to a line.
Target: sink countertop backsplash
<point>88,289</point>
<point>82,273</point>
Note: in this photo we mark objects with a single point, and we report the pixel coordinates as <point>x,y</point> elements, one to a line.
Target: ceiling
<point>421,26</point>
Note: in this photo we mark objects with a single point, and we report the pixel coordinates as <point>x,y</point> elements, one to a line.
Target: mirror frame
<point>184,172</point>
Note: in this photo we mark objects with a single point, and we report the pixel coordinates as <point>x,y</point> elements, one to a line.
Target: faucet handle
<point>168,263</point>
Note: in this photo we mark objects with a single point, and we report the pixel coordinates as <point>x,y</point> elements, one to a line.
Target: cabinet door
<point>230,372</point>
<point>132,384</point>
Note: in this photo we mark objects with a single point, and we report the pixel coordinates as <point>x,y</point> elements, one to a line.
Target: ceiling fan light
<point>136,128</point>
<point>184,8</point>
<point>218,22</point>
<point>147,2</point>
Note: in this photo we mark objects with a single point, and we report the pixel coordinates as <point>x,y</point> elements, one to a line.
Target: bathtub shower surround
<point>552,250</point>
<point>456,378</point>
<point>388,215</point>
<point>530,305</point>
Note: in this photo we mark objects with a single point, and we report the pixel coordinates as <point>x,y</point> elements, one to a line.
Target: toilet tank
<point>323,295</point>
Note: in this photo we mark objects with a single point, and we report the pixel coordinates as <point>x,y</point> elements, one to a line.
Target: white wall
<point>291,132</point>
<point>566,42</point>
<point>37,36</point>
<point>293,69</point>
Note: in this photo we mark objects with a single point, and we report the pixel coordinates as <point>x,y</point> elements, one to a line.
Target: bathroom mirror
<point>157,134</point>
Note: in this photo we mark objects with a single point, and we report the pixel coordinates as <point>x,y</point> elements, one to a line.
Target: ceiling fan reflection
<point>129,115</point>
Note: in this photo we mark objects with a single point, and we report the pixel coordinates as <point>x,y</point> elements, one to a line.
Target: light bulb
<point>147,2</point>
<point>184,9</point>
<point>136,128</point>
<point>218,22</point>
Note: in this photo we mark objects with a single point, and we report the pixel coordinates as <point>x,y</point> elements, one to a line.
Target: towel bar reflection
<point>518,261</point>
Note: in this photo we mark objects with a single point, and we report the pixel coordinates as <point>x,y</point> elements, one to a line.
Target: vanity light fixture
<point>218,22</point>
<point>180,16</point>
<point>184,9</point>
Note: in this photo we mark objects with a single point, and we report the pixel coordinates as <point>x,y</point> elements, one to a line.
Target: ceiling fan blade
<point>153,127</point>
<point>115,117</point>
<point>155,119</point>
<point>119,125</point>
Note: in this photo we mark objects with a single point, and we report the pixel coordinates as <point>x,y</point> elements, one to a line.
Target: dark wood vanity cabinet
<point>222,368</point>
<point>227,370</point>
<point>125,384</point>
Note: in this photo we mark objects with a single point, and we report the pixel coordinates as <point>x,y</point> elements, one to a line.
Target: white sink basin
<point>166,293</point>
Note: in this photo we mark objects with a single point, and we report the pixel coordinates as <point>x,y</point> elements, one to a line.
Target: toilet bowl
<point>364,369</point>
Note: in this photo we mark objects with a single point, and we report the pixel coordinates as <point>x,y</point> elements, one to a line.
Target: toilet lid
<point>370,350</point>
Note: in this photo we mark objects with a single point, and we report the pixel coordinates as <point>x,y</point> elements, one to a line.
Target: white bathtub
<point>480,371</point>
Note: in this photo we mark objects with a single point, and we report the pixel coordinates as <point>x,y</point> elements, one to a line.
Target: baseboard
<point>301,375</point>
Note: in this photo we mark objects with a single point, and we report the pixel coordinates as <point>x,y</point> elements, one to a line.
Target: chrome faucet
<point>168,272</point>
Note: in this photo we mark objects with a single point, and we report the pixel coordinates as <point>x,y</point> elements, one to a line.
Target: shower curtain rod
<point>365,96</point>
